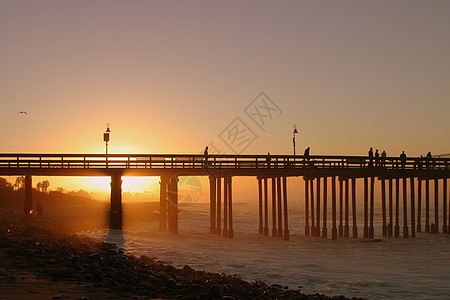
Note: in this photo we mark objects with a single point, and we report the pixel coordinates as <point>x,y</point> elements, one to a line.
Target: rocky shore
<point>37,263</point>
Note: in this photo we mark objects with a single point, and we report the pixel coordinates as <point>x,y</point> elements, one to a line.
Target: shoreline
<point>40,263</point>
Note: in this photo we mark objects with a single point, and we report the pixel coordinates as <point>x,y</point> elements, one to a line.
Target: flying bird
<point>23,112</point>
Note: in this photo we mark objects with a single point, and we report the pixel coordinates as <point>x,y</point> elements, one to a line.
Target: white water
<point>395,268</point>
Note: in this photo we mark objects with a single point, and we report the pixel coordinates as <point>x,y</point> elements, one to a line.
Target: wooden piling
<point>397,207</point>
<point>173,204</point>
<point>419,205</point>
<point>444,206</point>
<point>383,206</point>
<point>372,207</point>
<point>279,210</point>
<point>285,207</point>
<point>436,206</point>
<point>212,204</point>
<point>366,208</point>
<point>225,207</point>
<point>230,208</point>
<point>355,228</point>
<point>448,197</point>
<point>260,211</point>
<point>306,206</point>
<point>313,224</point>
<point>274,208</point>
<point>333,207</point>
<point>318,208</point>
<point>325,208</point>
<point>390,224</point>
<point>413,225</point>
<point>219,206</point>
<point>163,202</point>
<point>427,205</point>
<point>341,201</point>
<point>405,209</point>
<point>266,209</point>
<point>116,202</point>
<point>346,225</point>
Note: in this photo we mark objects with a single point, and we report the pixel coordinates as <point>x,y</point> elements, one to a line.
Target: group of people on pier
<point>377,161</point>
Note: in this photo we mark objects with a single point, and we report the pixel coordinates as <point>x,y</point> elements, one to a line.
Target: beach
<point>38,261</point>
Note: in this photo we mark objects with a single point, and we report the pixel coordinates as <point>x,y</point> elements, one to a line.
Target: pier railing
<point>195,161</point>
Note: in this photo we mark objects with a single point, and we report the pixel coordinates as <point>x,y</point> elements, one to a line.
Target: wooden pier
<point>325,179</point>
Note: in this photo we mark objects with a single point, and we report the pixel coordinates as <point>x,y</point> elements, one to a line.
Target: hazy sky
<point>173,76</point>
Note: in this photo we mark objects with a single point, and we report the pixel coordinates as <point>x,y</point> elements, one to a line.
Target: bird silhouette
<point>23,112</point>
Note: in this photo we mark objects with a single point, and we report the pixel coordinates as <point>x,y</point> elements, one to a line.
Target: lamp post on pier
<point>293,137</point>
<point>106,140</point>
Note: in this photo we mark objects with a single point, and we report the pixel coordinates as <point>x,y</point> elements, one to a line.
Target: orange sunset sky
<point>170,76</point>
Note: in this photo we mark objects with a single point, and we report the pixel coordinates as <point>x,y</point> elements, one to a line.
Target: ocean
<point>394,268</point>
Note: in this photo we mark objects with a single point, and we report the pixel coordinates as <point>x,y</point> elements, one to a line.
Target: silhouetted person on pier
<point>403,159</point>
<point>205,153</point>
<point>268,160</point>
<point>377,159</point>
<point>39,209</point>
<point>429,157</point>
<point>306,154</point>
<point>383,159</point>
<point>370,158</point>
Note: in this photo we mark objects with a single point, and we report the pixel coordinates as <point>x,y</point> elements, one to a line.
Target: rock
<point>214,292</point>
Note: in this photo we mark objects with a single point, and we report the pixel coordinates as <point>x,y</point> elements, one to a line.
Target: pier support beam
<point>306,206</point>
<point>341,201</point>
<point>444,206</point>
<point>173,204</point>
<point>212,204</point>
<point>225,206</point>
<point>285,209</point>
<point>366,208</point>
<point>390,224</point>
<point>427,206</point>
<point>28,204</point>
<point>274,208</point>
<point>317,233</point>
<point>219,205</point>
<point>230,209</point>
<point>383,206</point>
<point>419,205</point>
<point>163,202</point>
<point>435,228</point>
<point>355,228</point>
<point>280,210</point>
<point>333,208</point>
<point>346,226</point>
<point>325,208</point>
<point>397,207</point>
<point>260,206</point>
<point>313,224</point>
<point>413,212</point>
<point>405,209</point>
<point>372,207</point>
<point>266,209</point>
<point>115,212</point>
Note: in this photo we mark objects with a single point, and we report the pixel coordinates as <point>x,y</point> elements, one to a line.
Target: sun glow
<point>129,184</point>
<point>102,184</point>
<point>139,184</point>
